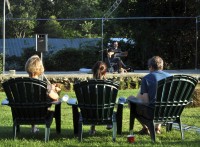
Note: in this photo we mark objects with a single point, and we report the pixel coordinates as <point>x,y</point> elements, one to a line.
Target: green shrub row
<point>68,59</point>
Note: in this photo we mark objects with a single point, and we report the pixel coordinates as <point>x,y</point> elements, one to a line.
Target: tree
<point>172,39</point>
<point>53,28</point>
<point>87,27</point>
<point>21,28</point>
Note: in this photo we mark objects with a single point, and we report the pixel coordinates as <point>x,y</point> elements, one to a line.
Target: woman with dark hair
<point>99,72</point>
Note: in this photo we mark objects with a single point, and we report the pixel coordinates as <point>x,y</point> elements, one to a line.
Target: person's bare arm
<point>53,92</point>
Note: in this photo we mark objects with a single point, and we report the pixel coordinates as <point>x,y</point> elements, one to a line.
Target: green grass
<point>102,137</point>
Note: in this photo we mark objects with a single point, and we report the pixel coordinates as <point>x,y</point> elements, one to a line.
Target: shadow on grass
<point>25,133</point>
<point>100,133</point>
<point>102,137</point>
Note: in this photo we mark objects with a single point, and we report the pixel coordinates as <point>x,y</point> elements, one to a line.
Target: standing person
<point>148,90</point>
<point>114,59</point>
<point>34,67</point>
<point>99,72</point>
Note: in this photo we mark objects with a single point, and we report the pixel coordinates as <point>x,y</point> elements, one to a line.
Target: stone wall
<point>66,82</point>
<point>126,81</point>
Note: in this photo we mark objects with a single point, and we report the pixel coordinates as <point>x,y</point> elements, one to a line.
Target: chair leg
<point>14,131</point>
<point>111,70</point>
<point>119,118</point>
<point>18,128</point>
<point>168,127</point>
<point>181,128</point>
<point>57,116</point>
<point>75,119</point>
<point>80,127</point>
<point>47,134</point>
<point>132,117</point>
<point>114,127</point>
<point>151,127</point>
<point>80,131</point>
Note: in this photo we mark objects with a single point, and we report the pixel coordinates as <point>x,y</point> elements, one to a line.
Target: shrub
<point>70,59</point>
<point>196,98</point>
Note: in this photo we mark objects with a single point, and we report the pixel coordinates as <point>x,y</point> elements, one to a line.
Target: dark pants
<point>144,111</point>
<point>118,61</point>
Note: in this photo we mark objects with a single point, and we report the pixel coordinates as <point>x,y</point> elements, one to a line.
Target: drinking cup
<point>131,138</point>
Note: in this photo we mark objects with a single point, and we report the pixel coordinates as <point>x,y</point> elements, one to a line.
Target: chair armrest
<point>75,114</point>
<point>5,102</point>
<point>55,102</point>
<point>135,100</point>
<point>122,100</point>
<point>72,101</point>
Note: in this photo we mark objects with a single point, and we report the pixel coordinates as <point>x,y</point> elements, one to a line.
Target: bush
<point>70,59</point>
<point>18,63</point>
<point>13,63</point>
<point>196,98</point>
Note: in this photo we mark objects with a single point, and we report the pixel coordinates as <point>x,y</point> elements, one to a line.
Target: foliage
<point>13,63</point>
<point>27,53</point>
<point>173,39</point>
<point>196,98</point>
<point>24,28</point>
<point>63,59</point>
<point>87,27</point>
<point>53,28</point>
<point>58,61</point>
<point>157,27</point>
<point>18,63</point>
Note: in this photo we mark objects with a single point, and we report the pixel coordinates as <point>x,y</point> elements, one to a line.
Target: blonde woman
<point>34,67</point>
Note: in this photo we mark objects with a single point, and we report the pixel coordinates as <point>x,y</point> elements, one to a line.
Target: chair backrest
<point>173,94</point>
<point>27,99</point>
<point>96,100</point>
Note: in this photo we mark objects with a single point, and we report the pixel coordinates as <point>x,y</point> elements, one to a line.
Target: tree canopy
<point>166,27</point>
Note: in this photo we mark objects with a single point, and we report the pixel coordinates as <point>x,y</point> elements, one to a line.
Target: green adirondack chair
<point>172,95</point>
<point>29,104</point>
<point>95,104</point>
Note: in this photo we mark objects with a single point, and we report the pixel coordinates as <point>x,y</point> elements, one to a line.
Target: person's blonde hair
<point>34,65</point>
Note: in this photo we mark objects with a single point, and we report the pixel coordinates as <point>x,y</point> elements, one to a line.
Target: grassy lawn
<point>102,137</point>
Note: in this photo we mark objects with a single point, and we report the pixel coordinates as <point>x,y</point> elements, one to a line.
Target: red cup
<point>131,138</point>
